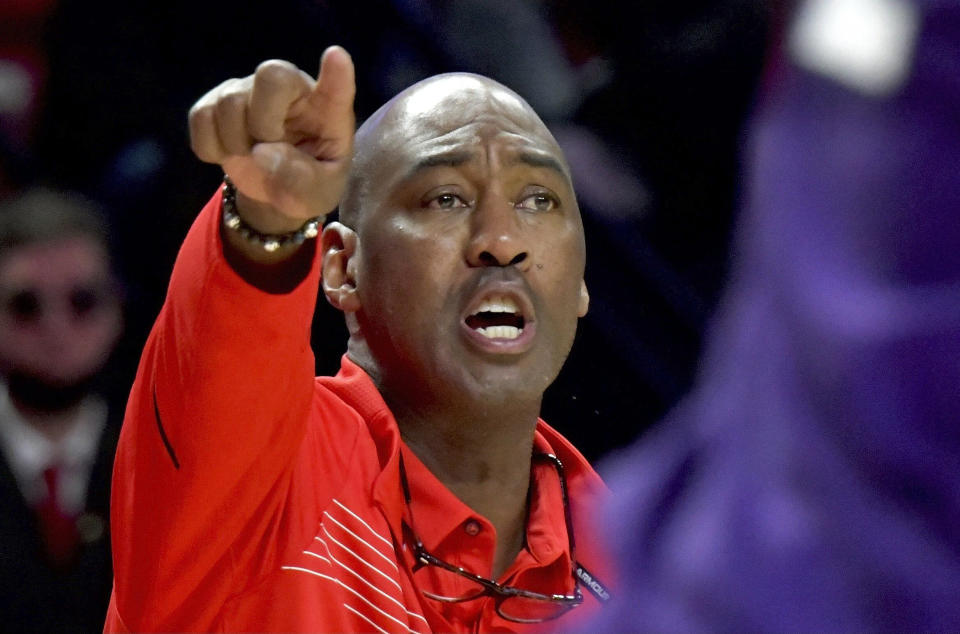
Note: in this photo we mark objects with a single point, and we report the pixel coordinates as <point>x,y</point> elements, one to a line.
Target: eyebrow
<point>456,158</point>
<point>539,159</point>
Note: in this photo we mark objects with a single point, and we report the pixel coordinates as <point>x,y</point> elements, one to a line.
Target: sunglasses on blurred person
<point>27,306</point>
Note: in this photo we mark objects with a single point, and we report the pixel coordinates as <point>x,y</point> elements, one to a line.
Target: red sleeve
<point>215,417</point>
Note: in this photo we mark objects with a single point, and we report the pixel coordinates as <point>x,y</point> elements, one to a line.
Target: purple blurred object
<point>811,482</point>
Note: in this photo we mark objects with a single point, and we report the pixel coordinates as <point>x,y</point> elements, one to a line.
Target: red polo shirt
<point>249,495</point>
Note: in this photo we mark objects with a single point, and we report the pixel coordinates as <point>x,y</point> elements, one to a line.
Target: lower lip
<point>501,346</point>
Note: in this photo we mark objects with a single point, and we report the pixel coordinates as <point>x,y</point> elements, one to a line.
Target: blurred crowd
<point>649,100</point>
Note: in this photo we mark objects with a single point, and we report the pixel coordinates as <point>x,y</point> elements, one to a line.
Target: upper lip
<point>514,290</point>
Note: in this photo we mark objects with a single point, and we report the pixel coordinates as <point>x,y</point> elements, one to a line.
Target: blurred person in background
<point>60,317</point>
<point>811,482</point>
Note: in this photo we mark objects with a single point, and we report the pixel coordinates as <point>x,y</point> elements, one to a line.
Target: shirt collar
<point>357,389</point>
<point>546,527</point>
<point>28,451</point>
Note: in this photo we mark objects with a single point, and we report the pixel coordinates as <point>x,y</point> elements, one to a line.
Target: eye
<point>446,201</point>
<point>84,301</point>
<point>24,306</point>
<point>541,201</point>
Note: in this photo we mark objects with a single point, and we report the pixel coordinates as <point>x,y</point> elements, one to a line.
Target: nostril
<point>518,258</point>
<point>488,259</point>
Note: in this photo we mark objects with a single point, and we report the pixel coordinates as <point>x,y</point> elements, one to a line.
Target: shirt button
<point>472,528</point>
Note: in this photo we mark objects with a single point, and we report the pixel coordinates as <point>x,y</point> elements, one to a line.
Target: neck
<point>480,449</point>
<point>53,425</point>
<point>483,456</point>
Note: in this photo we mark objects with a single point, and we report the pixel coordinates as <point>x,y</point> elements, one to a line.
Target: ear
<point>339,243</point>
<point>584,300</point>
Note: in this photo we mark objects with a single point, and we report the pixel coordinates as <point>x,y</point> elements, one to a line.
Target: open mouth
<point>497,317</point>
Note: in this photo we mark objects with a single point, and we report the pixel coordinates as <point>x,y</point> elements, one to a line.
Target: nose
<point>497,237</point>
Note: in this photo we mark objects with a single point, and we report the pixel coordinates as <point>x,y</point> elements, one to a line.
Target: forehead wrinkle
<point>467,142</point>
<point>452,158</point>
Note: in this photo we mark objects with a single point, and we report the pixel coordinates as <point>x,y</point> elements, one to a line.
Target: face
<point>59,314</point>
<point>471,251</point>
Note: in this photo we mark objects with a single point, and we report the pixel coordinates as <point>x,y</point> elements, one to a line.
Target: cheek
<point>561,273</point>
<point>65,353</point>
<point>12,345</point>
<point>560,263</point>
<point>560,241</point>
<point>100,334</point>
<point>411,257</point>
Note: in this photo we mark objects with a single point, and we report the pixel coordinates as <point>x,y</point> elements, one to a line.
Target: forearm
<point>225,383</point>
<point>216,414</point>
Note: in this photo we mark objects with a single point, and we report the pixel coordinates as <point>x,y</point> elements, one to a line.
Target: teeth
<point>498,305</point>
<point>500,332</point>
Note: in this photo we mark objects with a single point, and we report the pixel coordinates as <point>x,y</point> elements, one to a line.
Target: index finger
<point>327,111</point>
<point>336,84</point>
<point>276,86</point>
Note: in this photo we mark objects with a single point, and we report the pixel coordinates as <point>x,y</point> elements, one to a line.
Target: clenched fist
<point>284,139</point>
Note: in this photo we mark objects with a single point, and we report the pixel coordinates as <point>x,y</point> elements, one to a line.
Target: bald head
<point>432,112</point>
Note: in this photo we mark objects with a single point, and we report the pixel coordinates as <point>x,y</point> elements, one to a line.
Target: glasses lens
<point>28,305</point>
<point>438,581</point>
<point>441,584</point>
<point>24,306</point>
<point>84,300</point>
<point>526,609</point>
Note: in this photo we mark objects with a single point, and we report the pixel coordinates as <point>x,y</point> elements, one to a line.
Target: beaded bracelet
<point>267,242</point>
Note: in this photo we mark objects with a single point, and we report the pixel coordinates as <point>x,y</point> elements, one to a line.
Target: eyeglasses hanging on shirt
<point>513,604</point>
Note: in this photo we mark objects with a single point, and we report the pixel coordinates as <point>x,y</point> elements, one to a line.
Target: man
<point>60,318</point>
<point>416,490</point>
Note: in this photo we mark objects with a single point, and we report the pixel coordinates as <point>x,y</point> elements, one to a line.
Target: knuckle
<point>195,116</point>
<point>265,129</point>
<point>275,72</point>
<point>201,111</point>
<point>266,125</point>
<point>233,98</point>
<point>235,146</point>
<point>200,125</point>
<point>203,151</point>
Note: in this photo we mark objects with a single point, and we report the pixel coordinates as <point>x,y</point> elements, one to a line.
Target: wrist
<point>263,217</point>
<point>258,225</point>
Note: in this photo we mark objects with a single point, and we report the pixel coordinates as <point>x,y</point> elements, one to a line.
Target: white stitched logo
<point>592,584</point>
